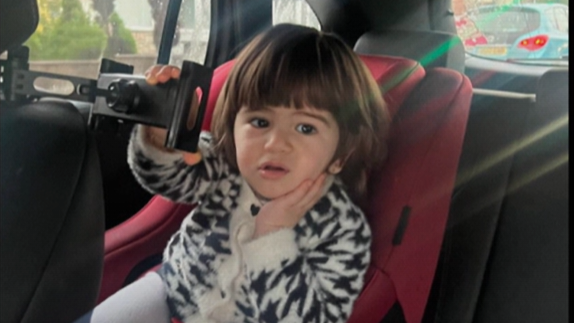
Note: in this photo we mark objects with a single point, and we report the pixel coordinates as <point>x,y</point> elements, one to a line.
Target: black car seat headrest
<point>430,48</point>
<point>51,215</point>
<point>18,20</point>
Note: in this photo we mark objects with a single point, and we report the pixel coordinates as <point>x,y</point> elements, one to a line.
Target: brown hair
<point>297,66</point>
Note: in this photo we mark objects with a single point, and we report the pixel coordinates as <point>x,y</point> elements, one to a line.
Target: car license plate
<point>492,51</point>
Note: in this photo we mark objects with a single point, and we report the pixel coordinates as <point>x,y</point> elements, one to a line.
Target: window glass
<point>135,19</point>
<point>294,11</point>
<point>523,31</point>
<point>73,35</point>
<point>551,13</point>
<point>505,24</point>
<point>562,19</point>
<point>192,32</point>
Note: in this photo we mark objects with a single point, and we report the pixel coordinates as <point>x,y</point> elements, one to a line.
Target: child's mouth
<point>272,171</point>
<point>273,168</point>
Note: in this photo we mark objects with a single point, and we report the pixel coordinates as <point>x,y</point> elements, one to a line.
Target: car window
<point>73,35</point>
<point>294,11</point>
<point>551,14</point>
<point>192,32</point>
<point>512,30</point>
<point>500,21</point>
<point>561,16</point>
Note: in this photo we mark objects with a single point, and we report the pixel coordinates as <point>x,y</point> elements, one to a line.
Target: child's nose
<point>278,141</point>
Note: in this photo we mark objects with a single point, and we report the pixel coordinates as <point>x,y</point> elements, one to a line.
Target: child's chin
<point>270,194</point>
<point>267,196</point>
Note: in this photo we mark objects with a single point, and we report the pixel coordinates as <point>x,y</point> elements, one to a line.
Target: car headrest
<point>18,20</point>
<point>396,76</point>
<point>430,48</point>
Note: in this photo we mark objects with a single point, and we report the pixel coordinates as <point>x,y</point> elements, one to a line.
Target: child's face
<point>278,148</point>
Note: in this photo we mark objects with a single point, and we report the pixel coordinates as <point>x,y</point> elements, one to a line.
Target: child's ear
<point>336,166</point>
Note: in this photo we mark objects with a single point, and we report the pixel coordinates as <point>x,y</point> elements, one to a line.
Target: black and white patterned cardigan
<point>215,272</point>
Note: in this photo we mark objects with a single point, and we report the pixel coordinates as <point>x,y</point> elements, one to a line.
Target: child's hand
<point>287,210</point>
<point>156,136</point>
<point>161,74</point>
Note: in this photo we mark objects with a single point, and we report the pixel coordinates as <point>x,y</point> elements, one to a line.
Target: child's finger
<point>297,194</point>
<point>151,74</point>
<point>314,193</point>
<point>306,194</point>
<point>175,72</point>
<point>152,70</point>
<point>166,73</point>
<point>192,158</point>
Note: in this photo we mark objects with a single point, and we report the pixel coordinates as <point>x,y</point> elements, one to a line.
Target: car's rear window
<point>501,22</point>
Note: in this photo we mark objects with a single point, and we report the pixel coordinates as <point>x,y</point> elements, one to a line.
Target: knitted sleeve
<point>166,174</point>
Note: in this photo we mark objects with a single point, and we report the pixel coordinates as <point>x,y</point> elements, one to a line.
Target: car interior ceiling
<point>507,227</point>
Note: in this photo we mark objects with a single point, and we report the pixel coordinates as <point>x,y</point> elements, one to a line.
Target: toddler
<point>278,234</point>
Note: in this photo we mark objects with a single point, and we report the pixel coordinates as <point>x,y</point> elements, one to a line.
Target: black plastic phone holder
<point>119,97</point>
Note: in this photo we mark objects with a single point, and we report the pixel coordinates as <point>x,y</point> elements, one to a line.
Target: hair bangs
<point>297,76</point>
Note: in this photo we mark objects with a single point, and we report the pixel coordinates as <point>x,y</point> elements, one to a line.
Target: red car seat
<point>409,198</point>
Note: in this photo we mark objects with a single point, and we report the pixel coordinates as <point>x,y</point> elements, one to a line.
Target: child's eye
<point>259,123</point>
<point>306,129</point>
